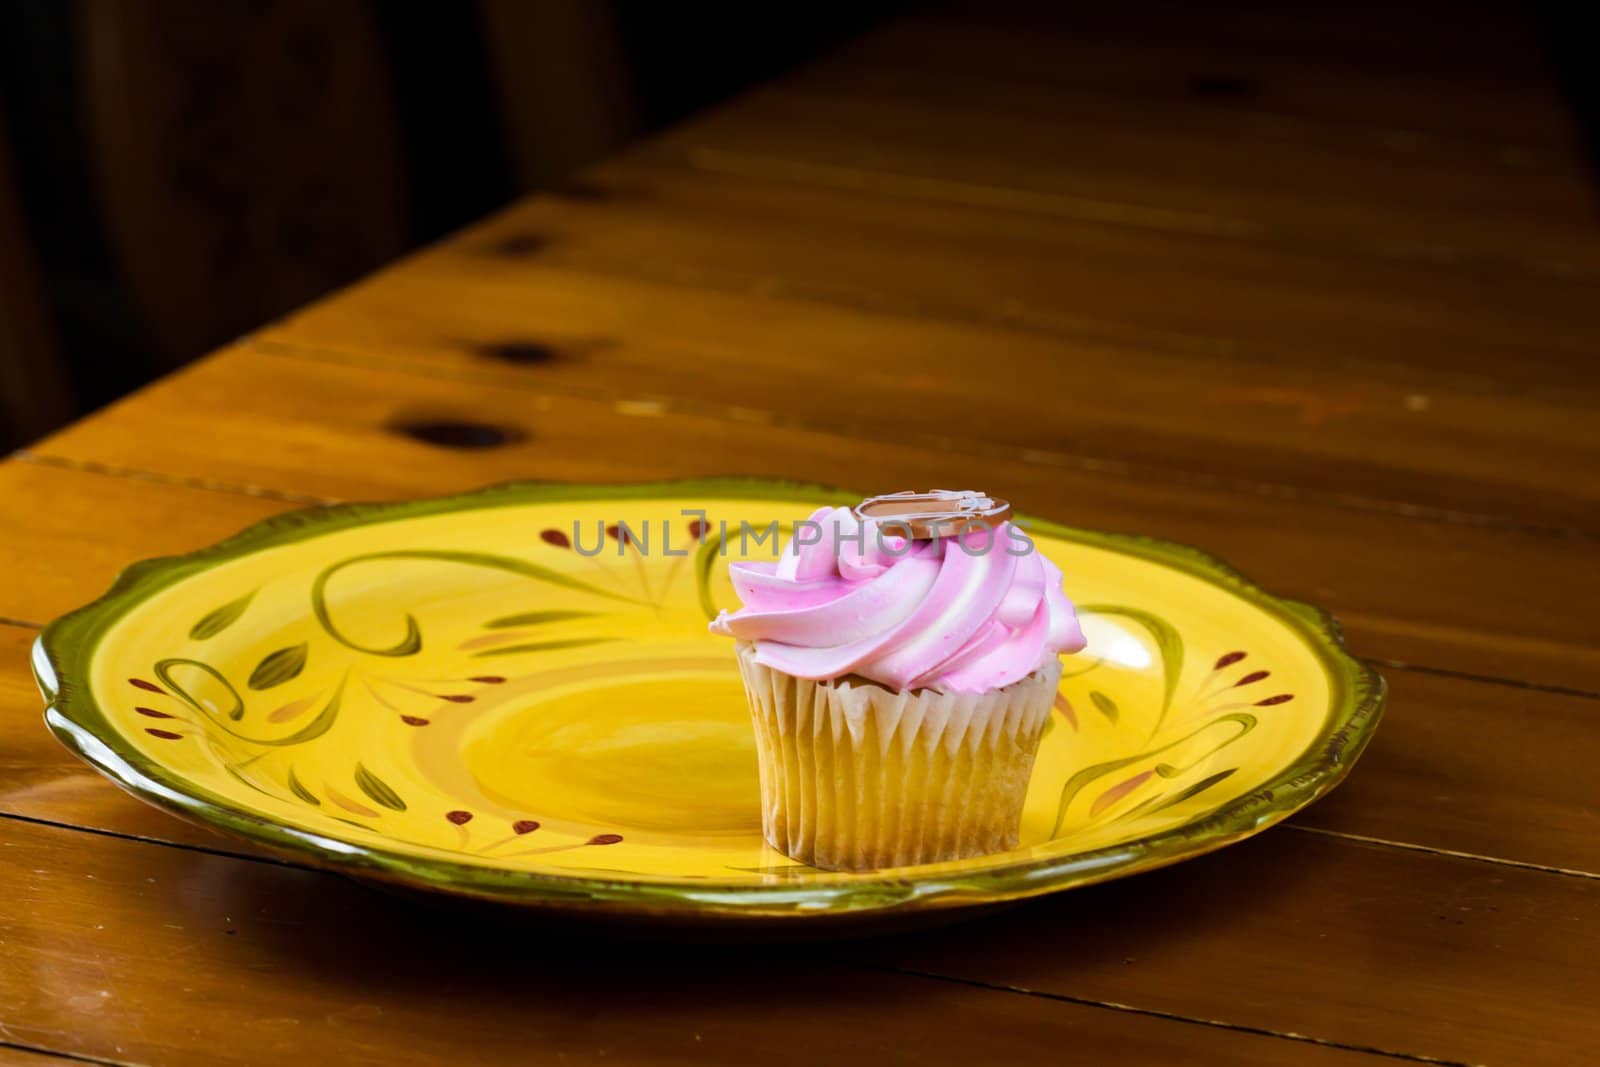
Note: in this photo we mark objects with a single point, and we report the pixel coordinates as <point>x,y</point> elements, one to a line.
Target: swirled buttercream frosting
<point>854,593</point>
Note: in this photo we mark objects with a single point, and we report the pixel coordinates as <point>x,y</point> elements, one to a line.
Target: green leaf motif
<point>166,671</point>
<point>411,643</point>
<point>543,646</point>
<point>221,618</point>
<point>1147,804</point>
<point>1168,643</point>
<point>1244,724</point>
<point>238,775</point>
<point>1170,770</point>
<point>318,726</point>
<point>378,789</point>
<point>1104,705</point>
<point>298,789</point>
<point>279,667</point>
<point>1198,788</point>
<point>536,618</point>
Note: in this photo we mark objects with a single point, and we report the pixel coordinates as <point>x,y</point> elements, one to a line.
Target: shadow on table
<point>378,938</point>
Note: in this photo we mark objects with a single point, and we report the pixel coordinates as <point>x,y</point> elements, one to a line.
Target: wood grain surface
<point>340,431</point>
<point>13,1056</point>
<point>170,956</point>
<point>1464,940</point>
<point>1274,393</point>
<point>1309,291</point>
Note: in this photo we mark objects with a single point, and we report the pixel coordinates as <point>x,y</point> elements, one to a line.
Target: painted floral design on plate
<point>476,684</point>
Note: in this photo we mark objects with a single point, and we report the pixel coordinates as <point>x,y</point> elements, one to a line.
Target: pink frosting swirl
<point>962,618</point>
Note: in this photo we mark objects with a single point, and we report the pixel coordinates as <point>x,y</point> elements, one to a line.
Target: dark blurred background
<point>173,173</point>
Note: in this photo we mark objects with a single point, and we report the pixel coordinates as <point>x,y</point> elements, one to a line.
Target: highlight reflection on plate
<point>450,695</point>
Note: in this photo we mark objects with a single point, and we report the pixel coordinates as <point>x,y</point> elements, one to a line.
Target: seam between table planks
<point>1366,138</point>
<point>1486,679</point>
<point>1387,664</point>
<point>69,1058</point>
<point>1131,1009</point>
<point>1434,850</point>
<point>214,486</point>
<point>664,156</point>
<point>89,466</point>
<point>713,159</point>
<point>1410,847</point>
<point>869,50</point>
<point>1363,839</point>
<point>159,842</point>
<point>858,965</point>
<point>689,151</point>
<point>1152,107</point>
<point>657,406</point>
<point>1108,468</point>
<point>1440,259</point>
<point>1002,317</point>
<point>1565,872</point>
<point>56,1054</point>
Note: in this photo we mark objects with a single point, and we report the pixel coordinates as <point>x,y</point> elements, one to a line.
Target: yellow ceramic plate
<point>493,695</point>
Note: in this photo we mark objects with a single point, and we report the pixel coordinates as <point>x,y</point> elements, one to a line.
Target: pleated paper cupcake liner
<point>855,776</point>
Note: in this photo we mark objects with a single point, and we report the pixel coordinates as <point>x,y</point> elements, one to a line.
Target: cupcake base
<point>855,776</point>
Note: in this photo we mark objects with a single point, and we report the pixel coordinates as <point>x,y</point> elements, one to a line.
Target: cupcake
<point>901,660</point>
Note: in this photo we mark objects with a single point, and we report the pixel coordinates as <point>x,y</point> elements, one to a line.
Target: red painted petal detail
<point>1281,698</point>
<point>488,679</point>
<point>698,529</point>
<point>604,839</point>
<point>149,687</point>
<point>1117,792</point>
<point>165,735</point>
<point>1064,706</point>
<point>1228,660</point>
<point>414,720</point>
<point>460,818</point>
<point>153,713</point>
<point>1252,678</point>
<point>556,538</point>
<point>525,826</point>
<point>456,698</point>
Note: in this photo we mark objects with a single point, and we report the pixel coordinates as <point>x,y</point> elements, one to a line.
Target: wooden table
<point>1317,295</point>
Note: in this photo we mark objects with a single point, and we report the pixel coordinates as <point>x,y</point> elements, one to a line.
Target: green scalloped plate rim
<point>63,650</point>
